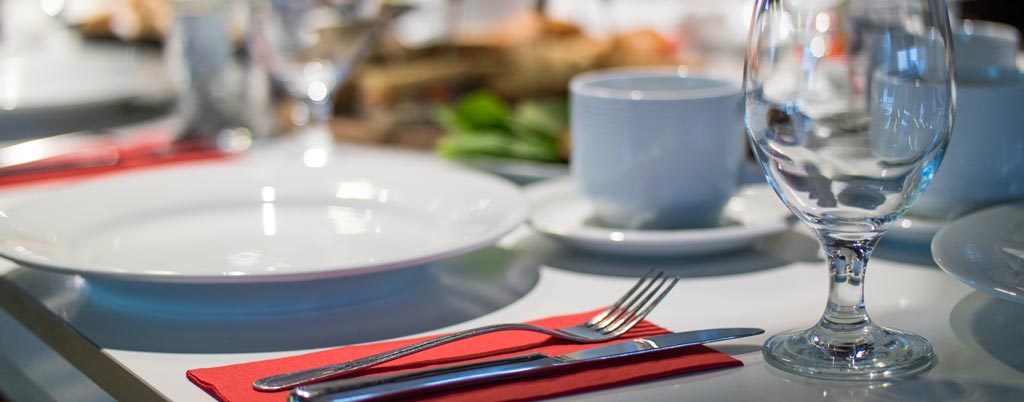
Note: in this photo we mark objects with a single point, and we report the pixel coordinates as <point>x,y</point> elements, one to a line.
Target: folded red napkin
<point>154,147</point>
<point>234,383</point>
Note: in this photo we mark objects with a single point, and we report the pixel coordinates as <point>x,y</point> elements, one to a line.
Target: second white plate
<point>985,250</point>
<point>250,222</point>
<point>560,212</point>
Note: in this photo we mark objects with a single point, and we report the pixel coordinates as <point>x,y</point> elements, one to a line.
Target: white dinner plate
<point>559,211</point>
<point>249,222</point>
<point>986,250</point>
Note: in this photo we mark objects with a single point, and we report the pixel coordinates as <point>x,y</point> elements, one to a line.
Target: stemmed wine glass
<point>311,47</point>
<point>849,107</point>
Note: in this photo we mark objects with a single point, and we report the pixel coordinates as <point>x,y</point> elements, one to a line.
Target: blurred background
<point>469,78</point>
<point>439,62</point>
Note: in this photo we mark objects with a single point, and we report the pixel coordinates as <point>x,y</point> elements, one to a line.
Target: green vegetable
<point>479,111</point>
<point>495,144</point>
<point>483,125</point>
<point>545,116</point>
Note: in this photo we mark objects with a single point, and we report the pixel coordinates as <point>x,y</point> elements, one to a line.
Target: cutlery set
<point>535,364</point>
<point>631,308</point>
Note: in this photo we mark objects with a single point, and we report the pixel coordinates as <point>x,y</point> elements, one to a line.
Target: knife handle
<point>426,380</point>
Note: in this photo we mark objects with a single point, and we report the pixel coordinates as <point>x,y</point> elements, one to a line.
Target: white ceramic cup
<point>655,148</point>
<point>983,48</point>
<point>984,162</point>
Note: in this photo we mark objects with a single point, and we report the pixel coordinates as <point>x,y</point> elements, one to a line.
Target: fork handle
<point>293,379</point>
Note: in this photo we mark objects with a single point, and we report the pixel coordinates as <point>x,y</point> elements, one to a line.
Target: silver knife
<point>438,379</point>
<point>78,149</point>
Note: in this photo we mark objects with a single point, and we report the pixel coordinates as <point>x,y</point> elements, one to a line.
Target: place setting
<point>419,377</point>
<point>673,246</point>
<point>656,150</point>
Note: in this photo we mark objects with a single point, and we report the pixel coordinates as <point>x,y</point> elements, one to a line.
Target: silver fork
<point>608,324</point>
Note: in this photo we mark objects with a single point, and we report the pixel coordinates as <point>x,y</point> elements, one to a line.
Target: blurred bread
<point>640,47</point>
<point>527,55</point>
<point>131,20</point>
<point>521,29</point>
<point>544,66</point>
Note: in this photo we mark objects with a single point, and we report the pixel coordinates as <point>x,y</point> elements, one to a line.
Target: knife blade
<point>13,157</point>
<point>437,379</point>
<point>87,148</point>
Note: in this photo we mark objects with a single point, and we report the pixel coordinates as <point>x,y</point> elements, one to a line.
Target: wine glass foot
<point>872,353</point>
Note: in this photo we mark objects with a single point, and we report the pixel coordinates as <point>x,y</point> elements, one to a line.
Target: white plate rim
<point>653,242</point>
<point>513,218</point>
<point>946,254</point>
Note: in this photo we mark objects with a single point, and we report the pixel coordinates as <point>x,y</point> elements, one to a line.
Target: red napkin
<point>234,383</point>
<point>146,149</point>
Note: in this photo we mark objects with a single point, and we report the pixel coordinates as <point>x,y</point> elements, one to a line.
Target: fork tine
<point>650,307</point>
<point>612,323</point>
<point>627,301</point>
<point>618,304</point>
<point>623,309</point>
<point>635,318</point>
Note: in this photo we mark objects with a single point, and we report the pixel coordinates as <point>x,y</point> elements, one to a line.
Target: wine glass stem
<point>317,134</point>
<point>845,343</point>
<point>848,262</point>
<point>319,111</point>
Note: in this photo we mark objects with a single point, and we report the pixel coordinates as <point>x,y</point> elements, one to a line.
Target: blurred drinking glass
<point>310,47</point>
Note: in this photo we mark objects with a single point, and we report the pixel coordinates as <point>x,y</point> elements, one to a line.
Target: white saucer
<point>560,212</point>
<point>241,221</point>
<point>986,250</point>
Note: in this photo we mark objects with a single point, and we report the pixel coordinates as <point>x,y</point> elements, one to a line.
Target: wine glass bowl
<point>310,47</point>
<point>848,110</point>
